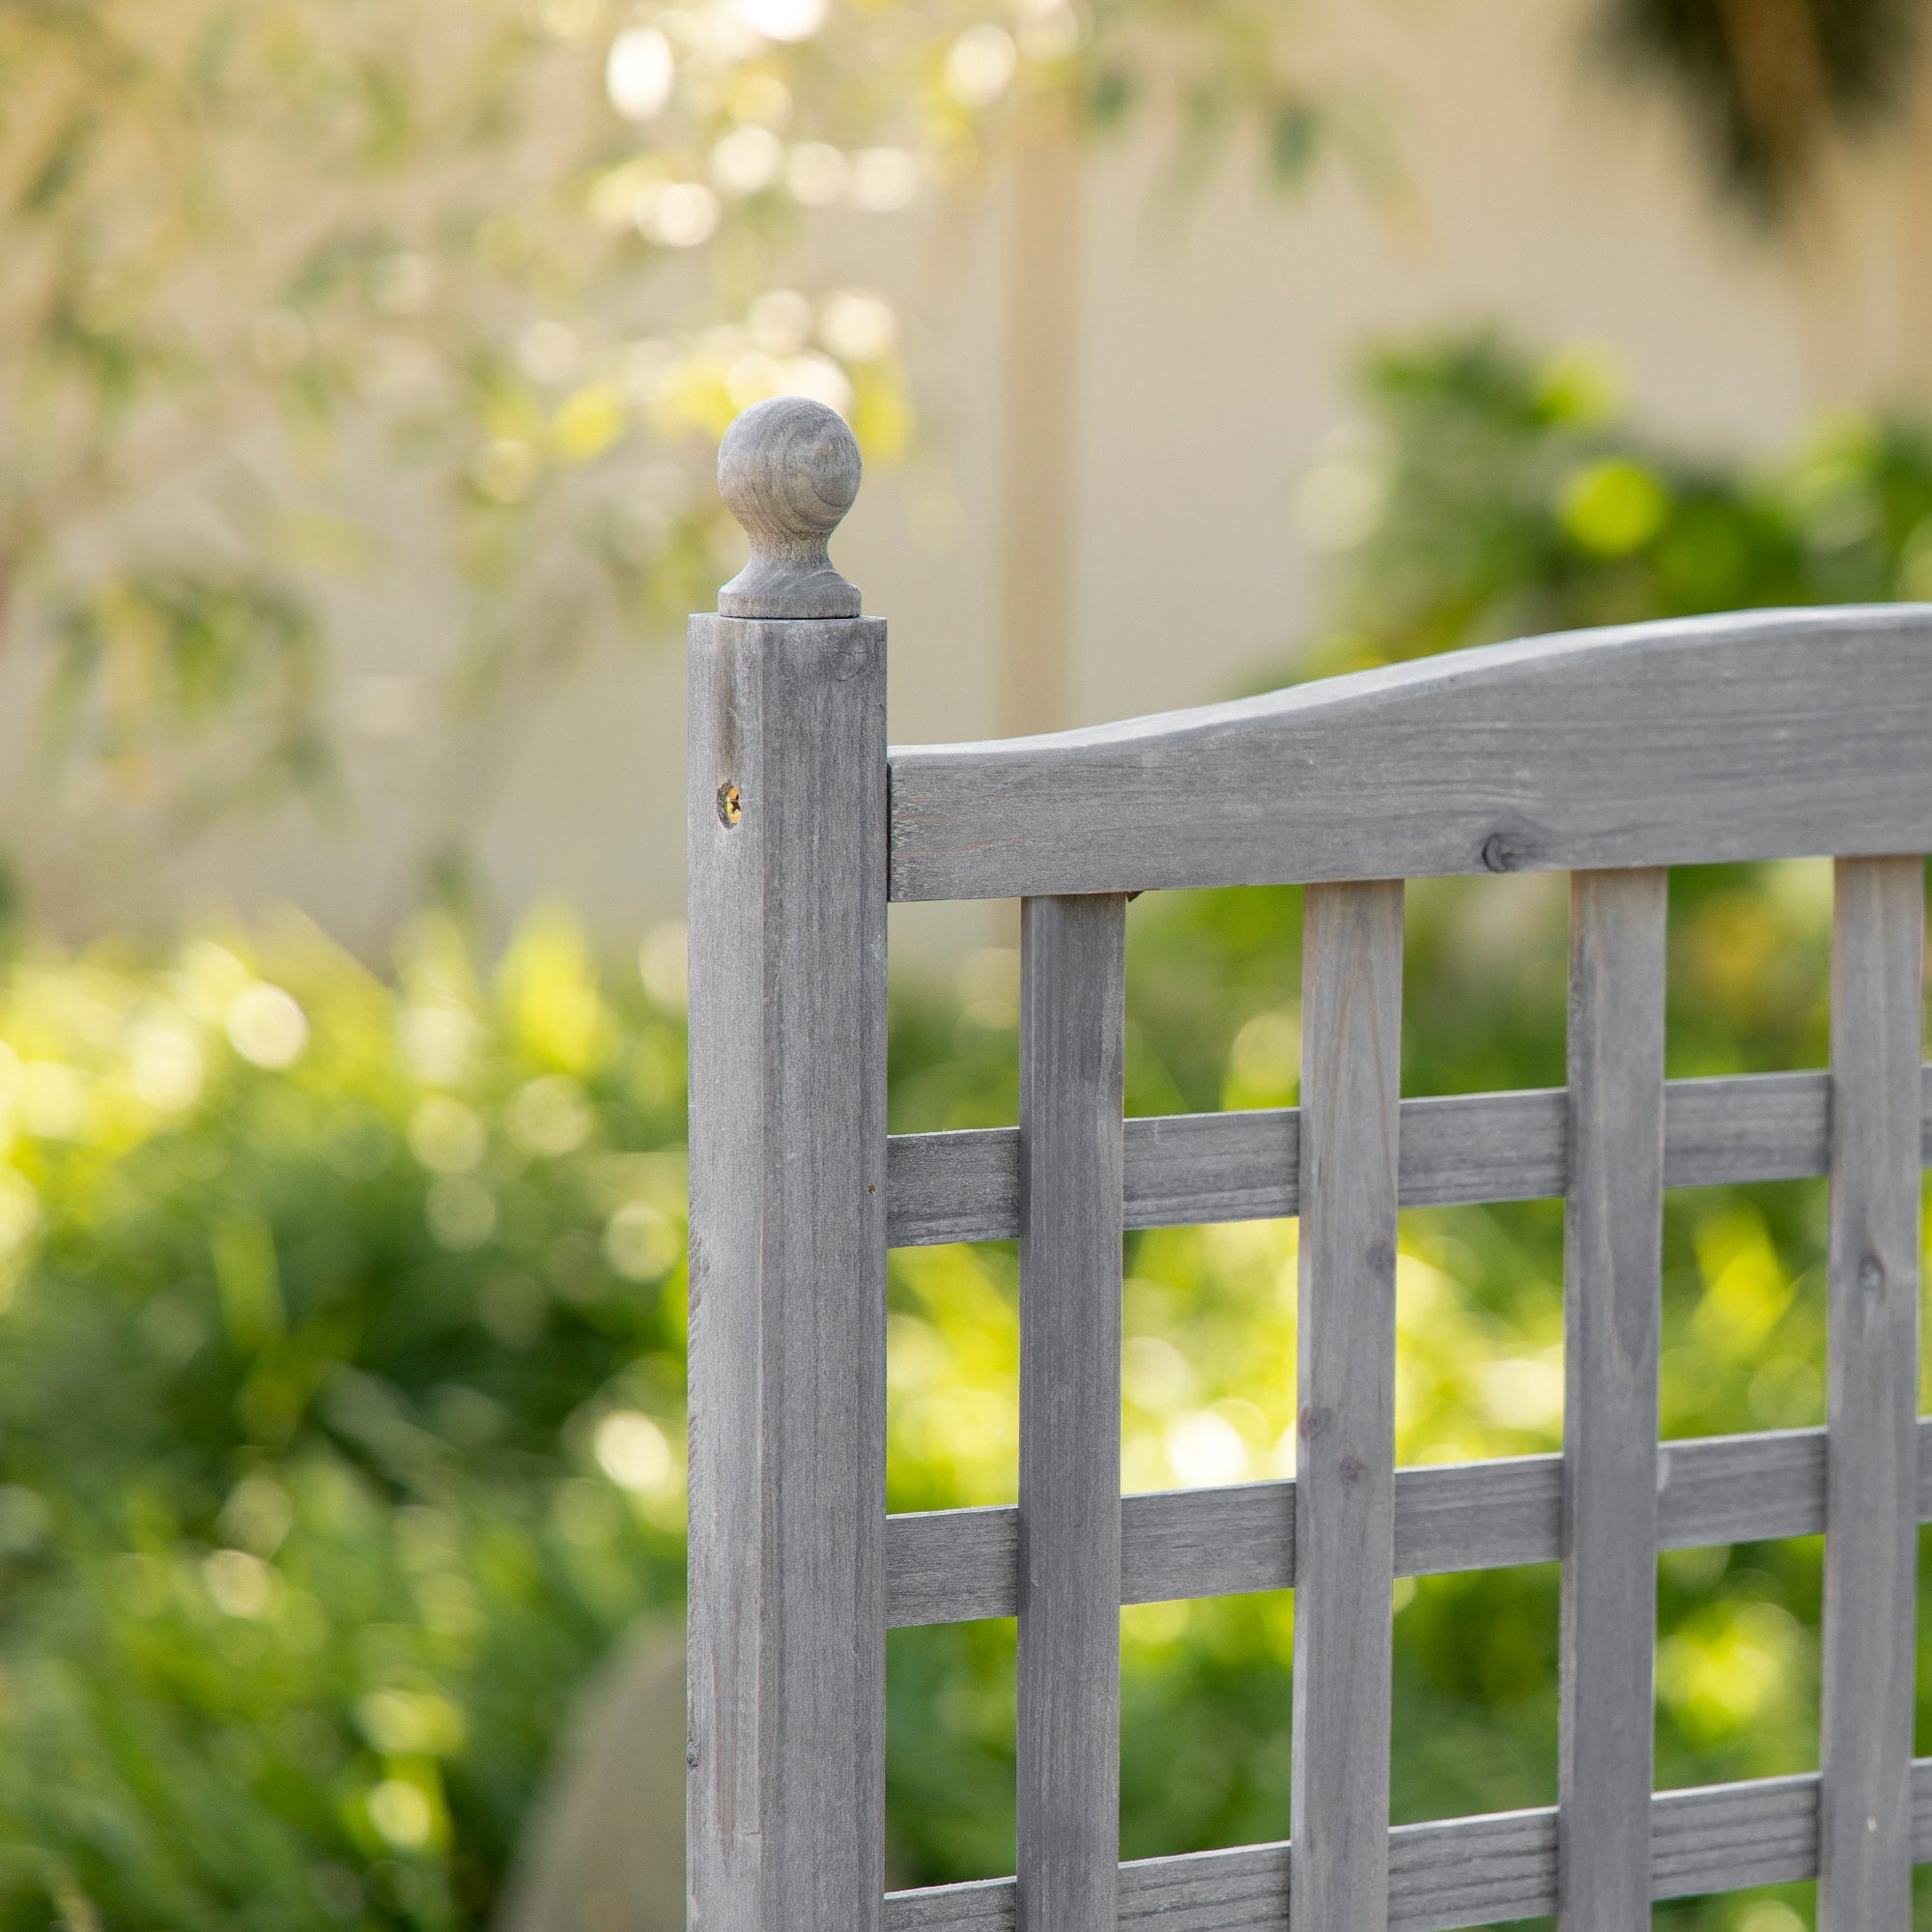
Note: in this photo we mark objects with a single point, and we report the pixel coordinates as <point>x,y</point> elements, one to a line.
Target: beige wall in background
<point>1118,396</point>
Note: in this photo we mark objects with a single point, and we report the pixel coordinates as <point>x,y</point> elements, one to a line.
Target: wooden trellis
<point>1610,755</point>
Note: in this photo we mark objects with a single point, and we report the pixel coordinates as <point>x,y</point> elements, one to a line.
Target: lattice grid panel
<point>1608,1144</point>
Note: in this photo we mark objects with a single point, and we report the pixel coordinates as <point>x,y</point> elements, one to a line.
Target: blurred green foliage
<point>1492,493</point>
<point>341,1417</point>
<point>341,1326</point>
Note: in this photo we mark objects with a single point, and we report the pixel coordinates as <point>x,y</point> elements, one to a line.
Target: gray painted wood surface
<point>1760,736</point>
<point>1072,1066</point>
<point>1871,1472</point>
<point>788,1276</point>
<point>951,1566</point>
<point>1461,1872</point>
<point>1763,735</point>
<point>1456,1150</point>
<point>789,470</point>
<point>1612,1319</point>
<point>1344,1423</point>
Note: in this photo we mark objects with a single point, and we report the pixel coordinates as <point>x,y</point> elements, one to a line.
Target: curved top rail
<point>1768,734</point>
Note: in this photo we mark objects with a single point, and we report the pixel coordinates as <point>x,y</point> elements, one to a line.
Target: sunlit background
<point>362,369</point>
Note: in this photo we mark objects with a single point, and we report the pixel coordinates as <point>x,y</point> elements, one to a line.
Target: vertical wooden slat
<point>1345,1485</point>
<point>1612,1314</point>
<point>1871,1465</point>
<point>788,838</point>
<point>1072,1055</point>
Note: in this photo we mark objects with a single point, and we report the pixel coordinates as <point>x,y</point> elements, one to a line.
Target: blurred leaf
<point>1768,85</point>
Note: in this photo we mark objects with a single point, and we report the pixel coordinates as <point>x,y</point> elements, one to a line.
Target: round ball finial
<point>788,469</point>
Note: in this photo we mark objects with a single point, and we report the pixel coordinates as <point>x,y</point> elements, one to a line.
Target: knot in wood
<point>788,469</point>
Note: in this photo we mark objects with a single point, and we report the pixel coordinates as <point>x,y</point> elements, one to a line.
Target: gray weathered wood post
<point>787,840</point>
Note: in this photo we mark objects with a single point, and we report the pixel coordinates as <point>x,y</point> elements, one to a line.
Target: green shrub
<point>1492,495</point>
<point>342,1390</point>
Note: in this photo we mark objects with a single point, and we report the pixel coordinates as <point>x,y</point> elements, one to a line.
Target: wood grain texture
<point>1459,1872</point>
<point>785,1814</point>
<point>1182,1543</point>
<point>1185,1169</point>
<point>1345,1422</point>
<point>950,1565</point>
<point>1072,1066</point>
<point>1478,1516</point>
<point>1871,1470</point>
<point>788,469</point>
<point>1746,1489</point>
<point>1765,735</point>
<point>1612,1321</point>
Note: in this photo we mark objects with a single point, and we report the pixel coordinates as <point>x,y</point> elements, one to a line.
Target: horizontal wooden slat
<point>1186,1169</point>
<point>1725,1836</point>
<point>1741,1489</point>
<point>1225,1538</point>
<point>1460,1872</point>
<point>961,1186</point>
<point>1501,1514</point>
<point>951,1566</point>
<point>1764,735</point>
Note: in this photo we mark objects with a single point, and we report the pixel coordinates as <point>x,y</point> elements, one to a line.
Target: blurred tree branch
<point>289,291</point>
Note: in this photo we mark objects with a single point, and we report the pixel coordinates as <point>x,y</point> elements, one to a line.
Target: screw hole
<point>731,807</point>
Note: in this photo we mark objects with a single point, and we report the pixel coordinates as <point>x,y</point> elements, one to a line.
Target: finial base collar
<point>770,587</point>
